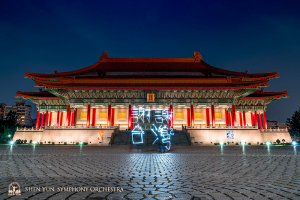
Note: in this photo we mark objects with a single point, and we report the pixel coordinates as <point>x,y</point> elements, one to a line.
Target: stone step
<point>124,138</point>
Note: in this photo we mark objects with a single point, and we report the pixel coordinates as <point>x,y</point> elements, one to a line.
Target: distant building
<point>276,125</point>
<point>2,110</point>
<point>23,112</point>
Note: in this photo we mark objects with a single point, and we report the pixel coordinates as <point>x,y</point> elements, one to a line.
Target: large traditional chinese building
<point>191,93</point>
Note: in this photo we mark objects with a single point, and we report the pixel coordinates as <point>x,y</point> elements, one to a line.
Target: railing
<point>28,129</point>
<point>221,127</point>
<point>274,130</point>
<point>68,127</point>
<point>113,135</point>
<point>82,127</point>
<point>235,127</point>
<point>184,130</point>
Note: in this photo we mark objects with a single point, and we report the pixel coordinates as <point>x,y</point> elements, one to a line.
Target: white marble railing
<point>81,127</point>
<point>28,129</point>
<point>235,127</point>
<point>67,127</point>
<point>274,130</point>
<point>221,127</point>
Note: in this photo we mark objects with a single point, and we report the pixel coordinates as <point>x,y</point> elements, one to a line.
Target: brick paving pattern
<point>190,172</point>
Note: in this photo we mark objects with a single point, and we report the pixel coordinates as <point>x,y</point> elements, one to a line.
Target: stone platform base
<point>71,136</point>
<point>248,136</point>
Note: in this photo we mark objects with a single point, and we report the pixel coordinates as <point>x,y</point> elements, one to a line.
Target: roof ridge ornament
<point>104,56</point>
<point>197,56</point>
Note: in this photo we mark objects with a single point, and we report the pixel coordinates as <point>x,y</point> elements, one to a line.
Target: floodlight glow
<point>221,143</point>
<point>80,143</point>
<point>294,143</point>
<point>8,135</point>
<point>34,142</point>
<point>11,142</point>
<point>268,143</point>
<point>243,143</point>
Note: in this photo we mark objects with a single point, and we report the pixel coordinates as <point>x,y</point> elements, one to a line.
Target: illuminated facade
<point>175,92</point>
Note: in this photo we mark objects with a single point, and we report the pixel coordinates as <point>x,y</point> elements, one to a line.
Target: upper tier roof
<point>261,94</point>
<point>37,95</point>
<point>151,68</point>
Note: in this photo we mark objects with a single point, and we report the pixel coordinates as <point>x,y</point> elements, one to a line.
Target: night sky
<point>259,36</point>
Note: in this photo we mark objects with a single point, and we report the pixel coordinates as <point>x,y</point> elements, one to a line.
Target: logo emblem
<point>150,98</point>
<point>14,189</point>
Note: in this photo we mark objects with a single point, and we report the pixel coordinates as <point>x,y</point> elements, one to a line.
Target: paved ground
<point>201,172</point>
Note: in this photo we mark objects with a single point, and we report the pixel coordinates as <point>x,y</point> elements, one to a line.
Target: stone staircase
<point>124,138</point>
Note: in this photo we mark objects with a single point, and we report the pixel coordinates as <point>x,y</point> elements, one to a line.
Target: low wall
<point>28,135</point>
<point>249,136</point>
<point>71,136</point>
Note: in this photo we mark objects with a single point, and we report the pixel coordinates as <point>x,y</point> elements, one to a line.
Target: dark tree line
<point>8,127</point>
<point>294,123</point>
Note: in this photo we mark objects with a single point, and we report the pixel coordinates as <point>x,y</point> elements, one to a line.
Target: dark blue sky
<point>259,36</point>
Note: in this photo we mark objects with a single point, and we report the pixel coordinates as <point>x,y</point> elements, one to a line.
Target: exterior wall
<point>198,121</point>
<point>180,121</point>
<point>98,121</point>
<point>28,135</point>
<point>122,122</point>
<point>65,135</point>
<point>252,136</point>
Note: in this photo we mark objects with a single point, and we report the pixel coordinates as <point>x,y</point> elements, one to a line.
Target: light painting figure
<point>163,137</point>
<point>137,135</point>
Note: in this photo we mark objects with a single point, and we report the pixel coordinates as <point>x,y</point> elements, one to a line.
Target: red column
<point>109,115</point>
<point>61,118</point>
<point>50,119</point>
<point>68,115</point>
<point>255,118</point>
<point>169,120</point>
<point>75,117</point>
<point>37,120</point>
<point>46,118</point>
<point>57,118</point>
<point>72,118</point>
<point>252,121</point>
<point>241,119</point>
<point>244,118</point>
<point>171,112</point>
<point>112,117</point>
<point>265,121</point>
<point>94,117</point>
<point>131,125</point>
<point>129,116</point>
<point>233,115</point>
<point>192,116</point>
<point>88,116</point>
<point>229,119</point>
<point>213,115</point>
<point>207,117</point>
<point>226,117</point>
<point>42,121</point>
<point>260,121</point>
<point>188,113</point>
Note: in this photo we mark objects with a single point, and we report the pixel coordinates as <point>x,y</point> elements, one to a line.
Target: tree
<point>8,126</point>
<point>294,123</point>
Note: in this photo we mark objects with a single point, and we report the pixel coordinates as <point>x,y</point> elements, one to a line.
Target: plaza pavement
<point>191,172</point>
